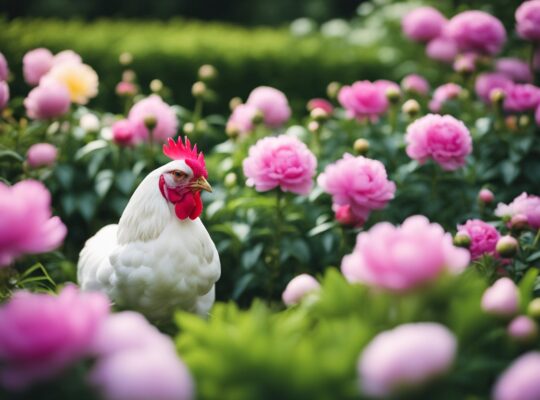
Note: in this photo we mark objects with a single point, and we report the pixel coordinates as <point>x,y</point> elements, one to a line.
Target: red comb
<point>183,151</point>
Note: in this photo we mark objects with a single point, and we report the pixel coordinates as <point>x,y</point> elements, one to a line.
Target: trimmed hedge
<point>174,50</point>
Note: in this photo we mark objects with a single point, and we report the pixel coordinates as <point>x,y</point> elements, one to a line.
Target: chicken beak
<point>201,184</point>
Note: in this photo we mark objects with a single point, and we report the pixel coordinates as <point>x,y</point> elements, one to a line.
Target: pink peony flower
<point>423,24</point>
<point>42,335</point>
<point>520,380</point>
<point>282,161</point>
<point>486,82</point>
<point>384,85</point>
<point>444,139</point>
<point>442,49</point>
<point>522,329</point>
<point>364,99</point>
<point>524,204</point>
<point>298,288</point>
<point>405,257</point>
<point>465,63</point>
<point>537,115</point>
<point>358,182</point>
<point>241,119</point>
<point>522,97</point>
<point>486,196</point>
<point>41,155</point>
<point>528,20</point>
<point>415,83</point>
<point>26,225</point>
<point>50,100</point>
<point>272,103</point>
<point>515,69</point>
<point>483,236</point>
<point>407,356</point>
<point>323,104</point>
<point>137,362</point>
<point>124,133</point>
<point>4,95</point>
<point>4,70</point>
<point>67,56</point>
<point>125,88</point>
<point>477,31</point>
<point>501,299</point>
<point>36,63</point>
<point>153,107</point>
<point>442,94</point>
<point>345,216</point>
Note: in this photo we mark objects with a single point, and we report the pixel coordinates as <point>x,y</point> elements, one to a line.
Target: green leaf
<point>95,163</point>
<point>125,180</point>
<point>251,256</point>
<point>509,171</point>
<point>533,257</point>
<point>321,228</point>
<point>65,174</point>
<point>104,180</point>
<point>526,287</point>
<point>86,204</point>
<point>90,148</point>
<point>242,284</point>
<point>11,154</point>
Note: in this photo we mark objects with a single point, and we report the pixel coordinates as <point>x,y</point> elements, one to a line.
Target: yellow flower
<point>80,79</point>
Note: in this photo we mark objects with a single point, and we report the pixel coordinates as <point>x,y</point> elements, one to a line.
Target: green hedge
<point>172,51</point>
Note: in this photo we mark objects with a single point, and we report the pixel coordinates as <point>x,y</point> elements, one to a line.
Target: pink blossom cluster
<point>525,205</point>
<point>358,185</point>
<point>483,236</point>
<point>415,83</point>
<point>444,93</point>
<point>366,100</point>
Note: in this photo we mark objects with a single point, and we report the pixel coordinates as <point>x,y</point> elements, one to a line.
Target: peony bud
<point>156,85</point>
<point>298,288</point>
<point>507,246</point>
<point>533,309</point>
<point>524,121</point>
<point>230,179</point>
<point>523,329</point>
<point>128,75</point>
<point>234,102</point>
<point>41,155</point>
<point>198,89</point>
<point>486,196</point>
<point>318,114</point>
<point>345,216</point>
<point>411,107</point>
<point>124,88</point>
<point>497,96</point>
<point>393,95</point>
<point>123,133</point>
<point>89,122</point>
<point>207,72</point>
<point>511,123</point>
<point>501,299</point>
<point>332,89</point>
<point>125,58</point>
<point>150,122</point>
<point>320,103</point>
<point>258,118</point>
<point>462,239</point>
<point>313,126</point>
<point>361,146</point>
<point>189,128</point>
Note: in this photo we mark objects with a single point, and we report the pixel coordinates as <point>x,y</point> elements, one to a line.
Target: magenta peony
<point>41,155</point>
<point>241,119</point>
<point>444,139</point>
<point>442,49</point>
<point>483,236</point>
<point>364,99</point>
<point>358,182</point>
<point>488,81</point>
<point>502,298</point>
<point>402,258</point>
<point>4,69</point>
<point>537,115</point>
<point>405,357</point>
<point>50,100</point>
<point>123,133</point>
<point>476,31</point>
<point>4,95</point>
<point>515,69</point>
<point>281,161</point>
<point>442,94</point>
<point>42,335</point>
<point>298,288</point>
<point>26,225</point>
<point>322,104</point>
<point>36,63</point>
<point>522,97</point>
<point>166,122</point>
<point>520,380</point>
<point>528,20</point>
<point>524,204</point>
<point>415,83</point>
<point>272,103</point>
<point>423,24</point>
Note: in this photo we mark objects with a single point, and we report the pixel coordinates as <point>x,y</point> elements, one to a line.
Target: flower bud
<point>234,102</point>
<point>411,107</point>
<point>150,122</point>
<point>485,196</point>
<point>519,222</point>
<point>318,114</point>
<point>345,216</point>
<point>511,123</point>
<point>507,246</point>
<point>462,239</point>
<point>124,88</point>
<point>393,95</point>
<point>128,75</point>
<point>533,309</point>
<point>332,89</point>
<point>313,126</point>
<point>201,126</point>
<point>89,122</point>
<point>189,128</point>
<point>207,72</point>
<point>464,94</point>
<point>258,118</point>
<point>198,89</point>
<point>497,96</point>
<point>361,146</point>
<point>41,155</point>
<point>232,130</point>
<point>230,179</point>
<point>298,288</point>
<point>523,329</point>
<point>524,121</point>
<point>125,58</point>
<point>156,85</point>
<point>501,299</point>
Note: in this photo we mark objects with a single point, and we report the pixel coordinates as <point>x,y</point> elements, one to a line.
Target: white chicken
<point>159,257</point>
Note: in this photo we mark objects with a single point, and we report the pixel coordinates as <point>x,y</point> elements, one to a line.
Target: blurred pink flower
<point>41,155</point>
<point>415,83</point>
<point>358,182</point>
<point>153,107</point>
<point>520,380</point>
<point>272,103</point>
<point>298,288</point>
<point>486,196</point>
<point>282,161</point>
<point>477,31</point>
<point>385,84</point>
<point>465,63</point>
<point>522,329</point>
<point>442,49</point>
<point>137,362</point>
<point>405,357</point>
<point>522,97</point>
<point>483,236</point>
<point>4,69</point>
<point>124,88</point>
<point>364,99</point>
<point>514,68</point>
<point>423,24</point>
<point>442,94</point>
<point>524,204</point>
<point>124,133</point>
<point>536,60</point>
<point>36,63</point>
<point>442,138</point>
<point>323,104</point>
<point>345,216</point>
<point>537,115</point>
<point>528,20</point>
<point>501,299</point>
<point>41,335</point>
<point>26,225</point>
<point>241,119</point>
<point>405,257</point>
<point>48,100</point>
<point>67,56</point>
<point>4,95</point>
<point>488,81</point>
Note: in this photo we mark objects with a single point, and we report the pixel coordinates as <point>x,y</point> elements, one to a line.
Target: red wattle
<point>198,206</point>
<point>186,204</point>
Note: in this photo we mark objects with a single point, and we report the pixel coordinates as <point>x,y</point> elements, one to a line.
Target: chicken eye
<point>178,174</point>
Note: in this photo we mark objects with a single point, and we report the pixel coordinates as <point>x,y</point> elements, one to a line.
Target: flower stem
<point>277,242</point>
<point>531,61</point>
<point>536,239</point>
